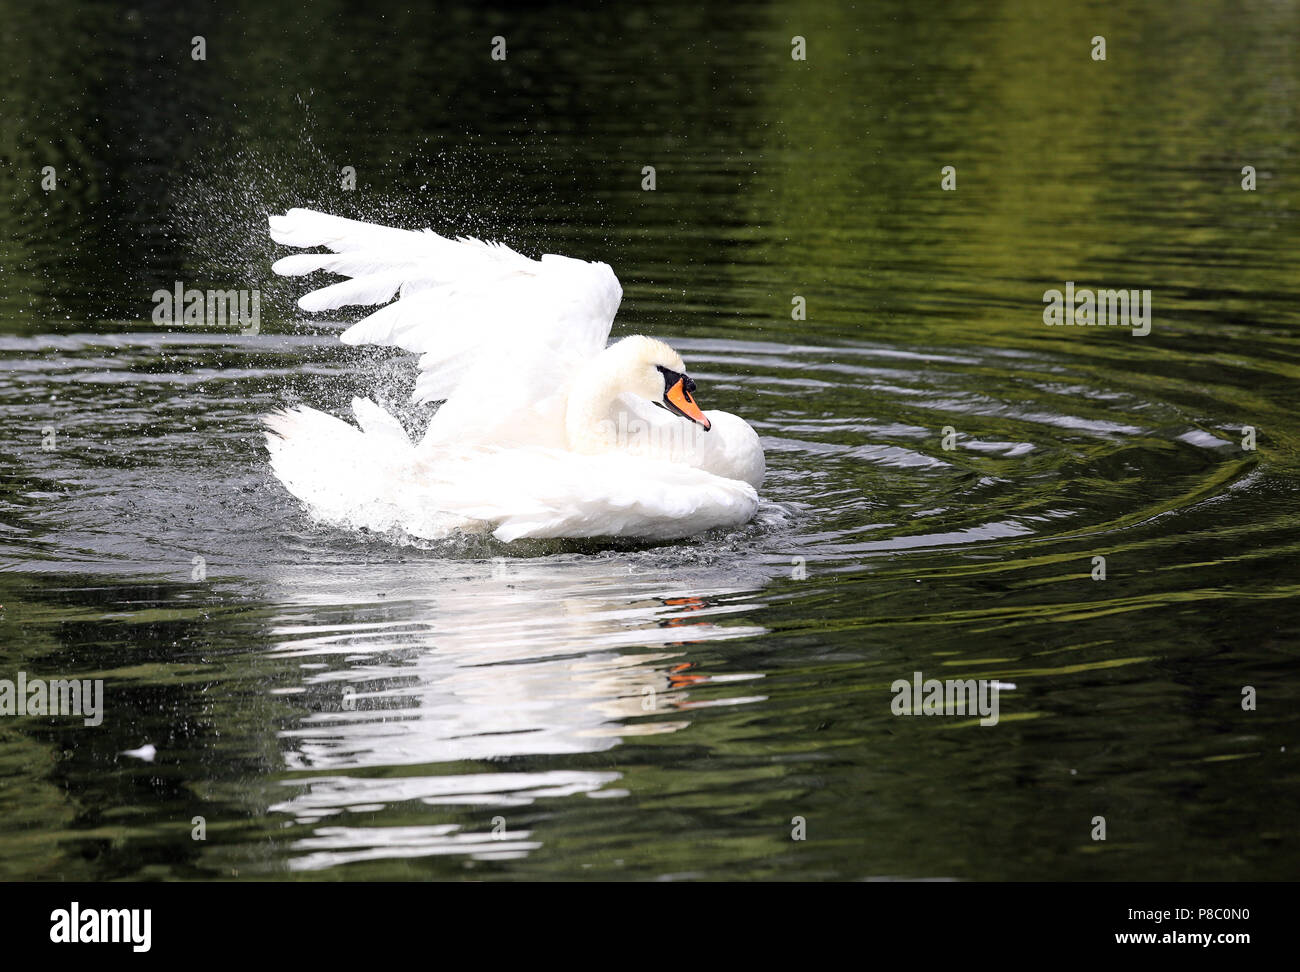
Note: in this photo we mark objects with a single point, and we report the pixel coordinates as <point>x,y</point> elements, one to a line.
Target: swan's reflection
<point>460,662</point>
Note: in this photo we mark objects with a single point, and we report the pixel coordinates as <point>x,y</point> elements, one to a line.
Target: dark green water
<point>337,706</point>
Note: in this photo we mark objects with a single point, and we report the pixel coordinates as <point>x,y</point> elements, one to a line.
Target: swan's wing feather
<point>373,288</point>
<point>465,306</point>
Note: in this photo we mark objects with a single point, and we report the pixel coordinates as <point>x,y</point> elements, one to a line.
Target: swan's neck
<point>605,395</point>
<point>595,398</point>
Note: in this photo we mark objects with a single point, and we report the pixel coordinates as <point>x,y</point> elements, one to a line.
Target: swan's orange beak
<point>679,400</point>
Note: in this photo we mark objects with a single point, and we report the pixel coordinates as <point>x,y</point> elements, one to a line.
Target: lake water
<point>944,468</point>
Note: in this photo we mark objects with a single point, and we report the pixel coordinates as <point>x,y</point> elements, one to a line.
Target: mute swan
<point>543,431</point>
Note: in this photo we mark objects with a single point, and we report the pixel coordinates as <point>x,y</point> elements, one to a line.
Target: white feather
<point>462,301</point>
<point>374,289</point>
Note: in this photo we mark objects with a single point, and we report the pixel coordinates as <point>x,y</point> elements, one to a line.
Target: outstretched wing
<point>494,329</point>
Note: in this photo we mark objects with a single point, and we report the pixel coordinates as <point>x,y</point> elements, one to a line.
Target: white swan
<point>543,431</point>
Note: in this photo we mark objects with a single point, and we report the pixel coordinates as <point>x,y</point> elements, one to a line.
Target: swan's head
<point>654,371</point>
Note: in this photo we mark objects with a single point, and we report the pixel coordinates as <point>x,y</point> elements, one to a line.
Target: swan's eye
<point>670,377</point>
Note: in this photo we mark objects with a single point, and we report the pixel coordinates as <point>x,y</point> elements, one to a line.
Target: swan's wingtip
<point>284,227</point>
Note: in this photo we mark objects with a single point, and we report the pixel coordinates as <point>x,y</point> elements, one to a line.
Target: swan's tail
<point>367,477</point>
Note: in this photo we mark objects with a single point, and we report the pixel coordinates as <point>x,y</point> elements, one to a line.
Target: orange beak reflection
<point>678,399</point>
